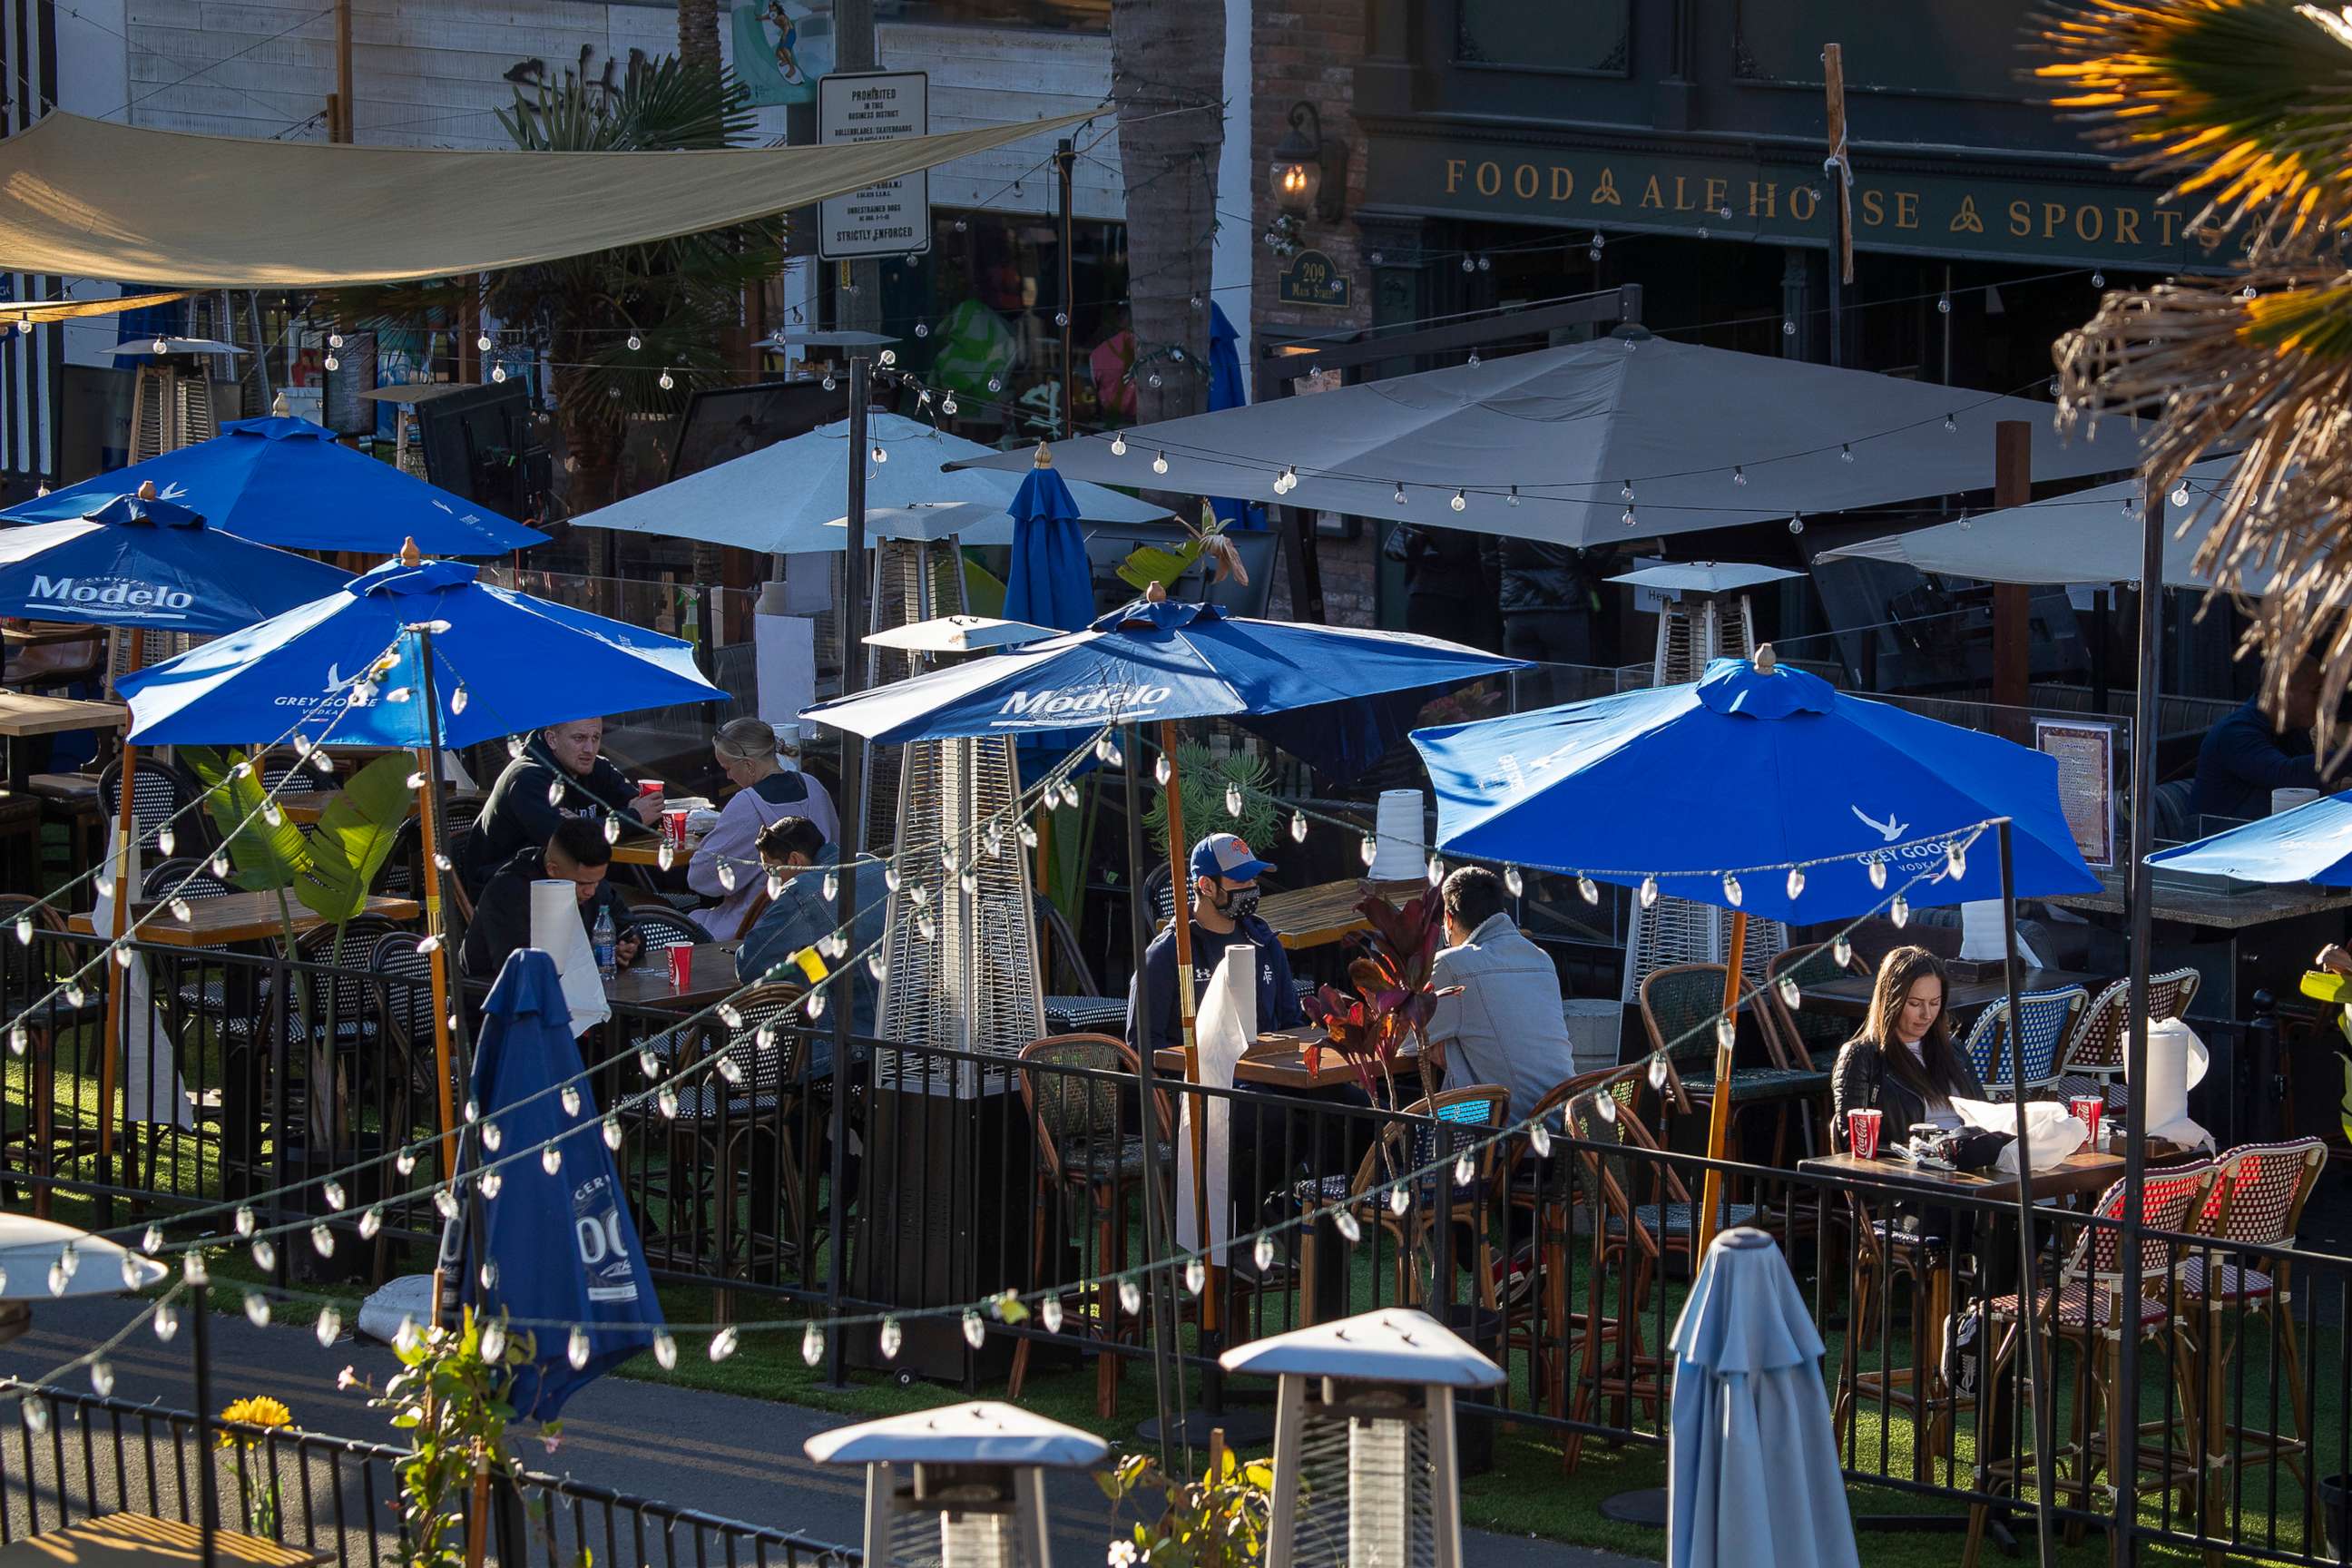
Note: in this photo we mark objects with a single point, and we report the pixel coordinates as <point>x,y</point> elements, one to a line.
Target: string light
<point>1160,463</point>
<point>1118,446</point>
<point>1399,493</point>
<point>1461,501</point>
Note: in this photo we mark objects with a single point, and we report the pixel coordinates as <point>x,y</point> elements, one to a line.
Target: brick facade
<point>1306,51</point>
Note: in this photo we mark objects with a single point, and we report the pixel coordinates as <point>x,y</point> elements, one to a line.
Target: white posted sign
<point>894,217</point>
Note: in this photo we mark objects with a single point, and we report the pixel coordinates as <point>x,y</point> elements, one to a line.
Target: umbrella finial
<point>146,489</point>
<point>1045,457</point>
<point>280,408</point>
<point>409,554</point>
<point>1156,593</point>
<point>1766,660</point>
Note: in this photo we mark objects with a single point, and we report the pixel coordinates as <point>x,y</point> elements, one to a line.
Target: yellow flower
<point>259,1410</point>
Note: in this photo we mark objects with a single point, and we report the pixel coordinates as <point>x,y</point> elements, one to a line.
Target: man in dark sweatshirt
<point>561,774</point>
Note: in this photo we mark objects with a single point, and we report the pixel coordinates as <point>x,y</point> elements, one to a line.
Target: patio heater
<point>959,1488</point>
<point>1704,614</point>
<point>1366,1473</point>
<point>171,396</point>
<point>950,1152</point>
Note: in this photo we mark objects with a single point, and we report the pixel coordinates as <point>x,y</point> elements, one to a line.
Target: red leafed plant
<point>1392,999</point>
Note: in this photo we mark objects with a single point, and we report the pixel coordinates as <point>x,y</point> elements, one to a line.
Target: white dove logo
<point>335,681</point>
<point>1889,830</point>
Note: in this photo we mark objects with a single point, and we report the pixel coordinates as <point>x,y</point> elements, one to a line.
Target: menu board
<point>2085,750</point>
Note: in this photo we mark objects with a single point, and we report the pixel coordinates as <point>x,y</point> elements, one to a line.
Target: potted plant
<point>1387,1011</point>
<point>1217,1521</point>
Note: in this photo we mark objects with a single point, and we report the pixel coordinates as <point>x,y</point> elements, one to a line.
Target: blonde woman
<point>747,752</point>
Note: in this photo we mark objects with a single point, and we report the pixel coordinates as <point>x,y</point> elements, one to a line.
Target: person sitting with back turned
<point>575,852</point>
<point>766,791</point>
<point>1502,1023</point>
<point>794,853</point>
<point>562,773</point>
<point>2246,756</point>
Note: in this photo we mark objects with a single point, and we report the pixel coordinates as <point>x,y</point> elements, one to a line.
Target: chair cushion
<point>65,789</point>
<point>1680,1217</point>
<point>1101,1163</point>
<point>1086,1015</point>
<point>2076,1308</point>
<point>2235,1284</point>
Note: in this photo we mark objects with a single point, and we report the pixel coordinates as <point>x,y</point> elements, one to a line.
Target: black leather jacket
<point>1860,1080</point>
<point>1534,576</point>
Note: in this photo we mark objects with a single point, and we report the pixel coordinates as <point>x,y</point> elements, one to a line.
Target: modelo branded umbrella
<point>1753,1478</point>
<point>144,564</point>
<point>285,481</point>
<point>1157,660</point>
<point>563,1245</point>
<point>416,655</point>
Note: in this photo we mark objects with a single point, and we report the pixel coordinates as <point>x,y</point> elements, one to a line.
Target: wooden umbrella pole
<point>116,1036</point>
<point>1180,889</point>
<point>1719,1119</point>
<point>428,826</point>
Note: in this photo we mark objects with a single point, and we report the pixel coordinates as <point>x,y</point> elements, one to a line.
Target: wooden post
<point>1840,168</point>
<point>1718,1120</point>
<point>343,117</point>
<point>115,1039</point>
<point>2013,634</point>
<point>1181,888</point>
<point>428,830</point>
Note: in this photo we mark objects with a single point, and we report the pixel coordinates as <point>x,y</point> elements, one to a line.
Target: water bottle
<point>607,964</point>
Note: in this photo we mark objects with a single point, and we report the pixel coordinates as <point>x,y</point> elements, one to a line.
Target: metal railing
<point>337,1496</point>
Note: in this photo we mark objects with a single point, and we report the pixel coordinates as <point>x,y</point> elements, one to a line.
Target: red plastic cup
<point>674,824</point>
<point>681,967</point>
<point>649,786</point>
<point>1861,1132</point>
<point>2087,1110</point>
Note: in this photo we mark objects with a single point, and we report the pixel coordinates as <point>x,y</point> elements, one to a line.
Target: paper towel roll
<point>1982,939</point>
<point>2177,1060</point>
<point>1397,828</point>
<point>555,930</point>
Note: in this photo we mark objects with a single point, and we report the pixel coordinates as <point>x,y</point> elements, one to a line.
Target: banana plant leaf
<point>352,839</point>
<point>262,858</point>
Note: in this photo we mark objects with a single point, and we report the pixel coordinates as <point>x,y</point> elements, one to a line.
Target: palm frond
<point>2244,103</point>
<point>2261,362</point>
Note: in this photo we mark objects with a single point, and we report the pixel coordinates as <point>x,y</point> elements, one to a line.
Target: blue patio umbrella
<point>152,565</point>
<point>2313,842</point>
<point>1754,764</point>
<point>1227,389</point>
<point>285,481</point>
<point>415,654</point>
<point>1753,1478</point>
<point>562,1241</point>
<point>1051,583</point>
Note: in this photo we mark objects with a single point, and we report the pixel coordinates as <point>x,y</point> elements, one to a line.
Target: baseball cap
<point>1225,855</point>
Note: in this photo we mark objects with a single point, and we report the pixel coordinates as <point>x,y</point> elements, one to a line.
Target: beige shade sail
<point>86,198</point>
<point>39,312</point>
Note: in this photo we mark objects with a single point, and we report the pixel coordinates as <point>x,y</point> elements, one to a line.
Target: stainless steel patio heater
<point>1366,1473</point>
<point>959,1488</point>
<point>1702,615</point>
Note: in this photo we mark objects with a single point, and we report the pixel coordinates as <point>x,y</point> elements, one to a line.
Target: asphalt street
<point>720,1454</point>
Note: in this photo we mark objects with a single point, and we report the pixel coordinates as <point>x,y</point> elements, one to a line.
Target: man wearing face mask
<point>1224,914</point>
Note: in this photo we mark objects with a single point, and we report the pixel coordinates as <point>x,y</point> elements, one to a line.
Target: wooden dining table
<point>1327,913</point>
<point>25,714</point>
<point>146,1541</point>
<point>648,983</point>
<point>644,849</point>
<point>1279,1061</point>
<point>238,917</point>
<point>1850,994</point>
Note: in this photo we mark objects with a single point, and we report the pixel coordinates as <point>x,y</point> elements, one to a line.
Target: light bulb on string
<point>1841,950</point>
<point>1649,893</point>
<point>1233,800</point>
<point>1513,882</point>
<point>1956,860</point>
<point>813,1344</point>
<point>1460,502</point>
<point>1739,475</point>
<point>1796,883</point>
<point>1298,827</point>
<point>1845,452</point>
<point>257,1305</point>
<point>1792,996</point>
<point>1877,873</point>
<point>1626,517</point>
<point>1587,890</point>
<point>1513,499</point>
<point>1435,871</point>
<point>1118,446</point>
<point>371,1223</point>
<point>1400,495</point>
<point>1370,849</point>
<point>1160,463</point>
<point>2180,494</point>
<point>666,381</point>
<point>1899,911</point>
<point>1731,893</point>
<point>1950,423</point>
<point>1130,1296</point>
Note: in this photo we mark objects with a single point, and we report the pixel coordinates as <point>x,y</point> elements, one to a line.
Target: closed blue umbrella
<point>415,654</point>
<point>2313,842</point>
<point>1754,1478</point>
<point>1051,583</point>
<point>563,1245</point>
<point>1228,389</point>
<point>151,564</point>
<point>286,481</point>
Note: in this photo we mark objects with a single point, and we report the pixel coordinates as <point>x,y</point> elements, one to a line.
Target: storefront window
<point>976,317</point>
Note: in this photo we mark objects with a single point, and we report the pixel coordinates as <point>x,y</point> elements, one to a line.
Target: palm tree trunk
<point>697,33</point>
<point>1168,80</point>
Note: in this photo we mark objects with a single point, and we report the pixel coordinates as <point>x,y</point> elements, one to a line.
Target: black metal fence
<point>336,1496</point>
<point>1565,1257</point>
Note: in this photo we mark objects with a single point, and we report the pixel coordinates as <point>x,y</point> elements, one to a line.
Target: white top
<point>1394,1344</point>
<point>981,1432</point>
<point>1941,1114</point>
<point>736,843</point>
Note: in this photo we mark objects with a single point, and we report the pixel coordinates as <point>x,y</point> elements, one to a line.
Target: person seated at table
<point>1903,1063</point>
<point>1503,1023</point>
<point>560,775</point>
<point>801,916</point>
<point>1224,914</point>
<point>766,791</point>
<point>2246,755</point>
<point>575,852</point>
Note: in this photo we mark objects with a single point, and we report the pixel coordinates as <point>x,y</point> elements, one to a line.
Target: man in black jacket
<point>575,852</point>
<point>560,775</point>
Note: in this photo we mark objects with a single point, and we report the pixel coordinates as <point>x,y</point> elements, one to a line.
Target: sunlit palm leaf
<point>2271,375</point>
<point>2246,103</point>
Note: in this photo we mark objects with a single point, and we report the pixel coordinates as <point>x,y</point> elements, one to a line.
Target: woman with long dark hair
<point>1903,1063</point>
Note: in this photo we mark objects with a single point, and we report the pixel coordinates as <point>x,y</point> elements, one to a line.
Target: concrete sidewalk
<point>736,1457</point>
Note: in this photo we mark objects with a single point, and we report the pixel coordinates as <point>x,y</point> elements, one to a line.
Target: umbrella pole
<point>118,1023</point>
<point>1719,1116</point>
<point>1158,1227</point>
<point>1180,885</point>
<point>428,830</point>
<point>2046,1399</point>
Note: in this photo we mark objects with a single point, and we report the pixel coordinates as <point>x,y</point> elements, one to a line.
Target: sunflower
<point>258,1410</point>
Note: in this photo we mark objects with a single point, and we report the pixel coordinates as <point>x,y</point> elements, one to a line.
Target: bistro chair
<point>2087,1312</point>
<point>1428,1136</point>
<point>71,801</point>
<point>30,1140</point>
<point>2049,1018</point>
<point>1679,1005</point>
<point>20,840</point>
<point>161,793</point>
<point>1808,1038</point>
<point>1086,1009</point>
<point>661,929</point>
<point>1544,1199</point>
<point>1081,1093</point>
<point>1647,1219</point>
<point>2093,1059</point>
<point>2256,1202</point>
<point>411,1047</point>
